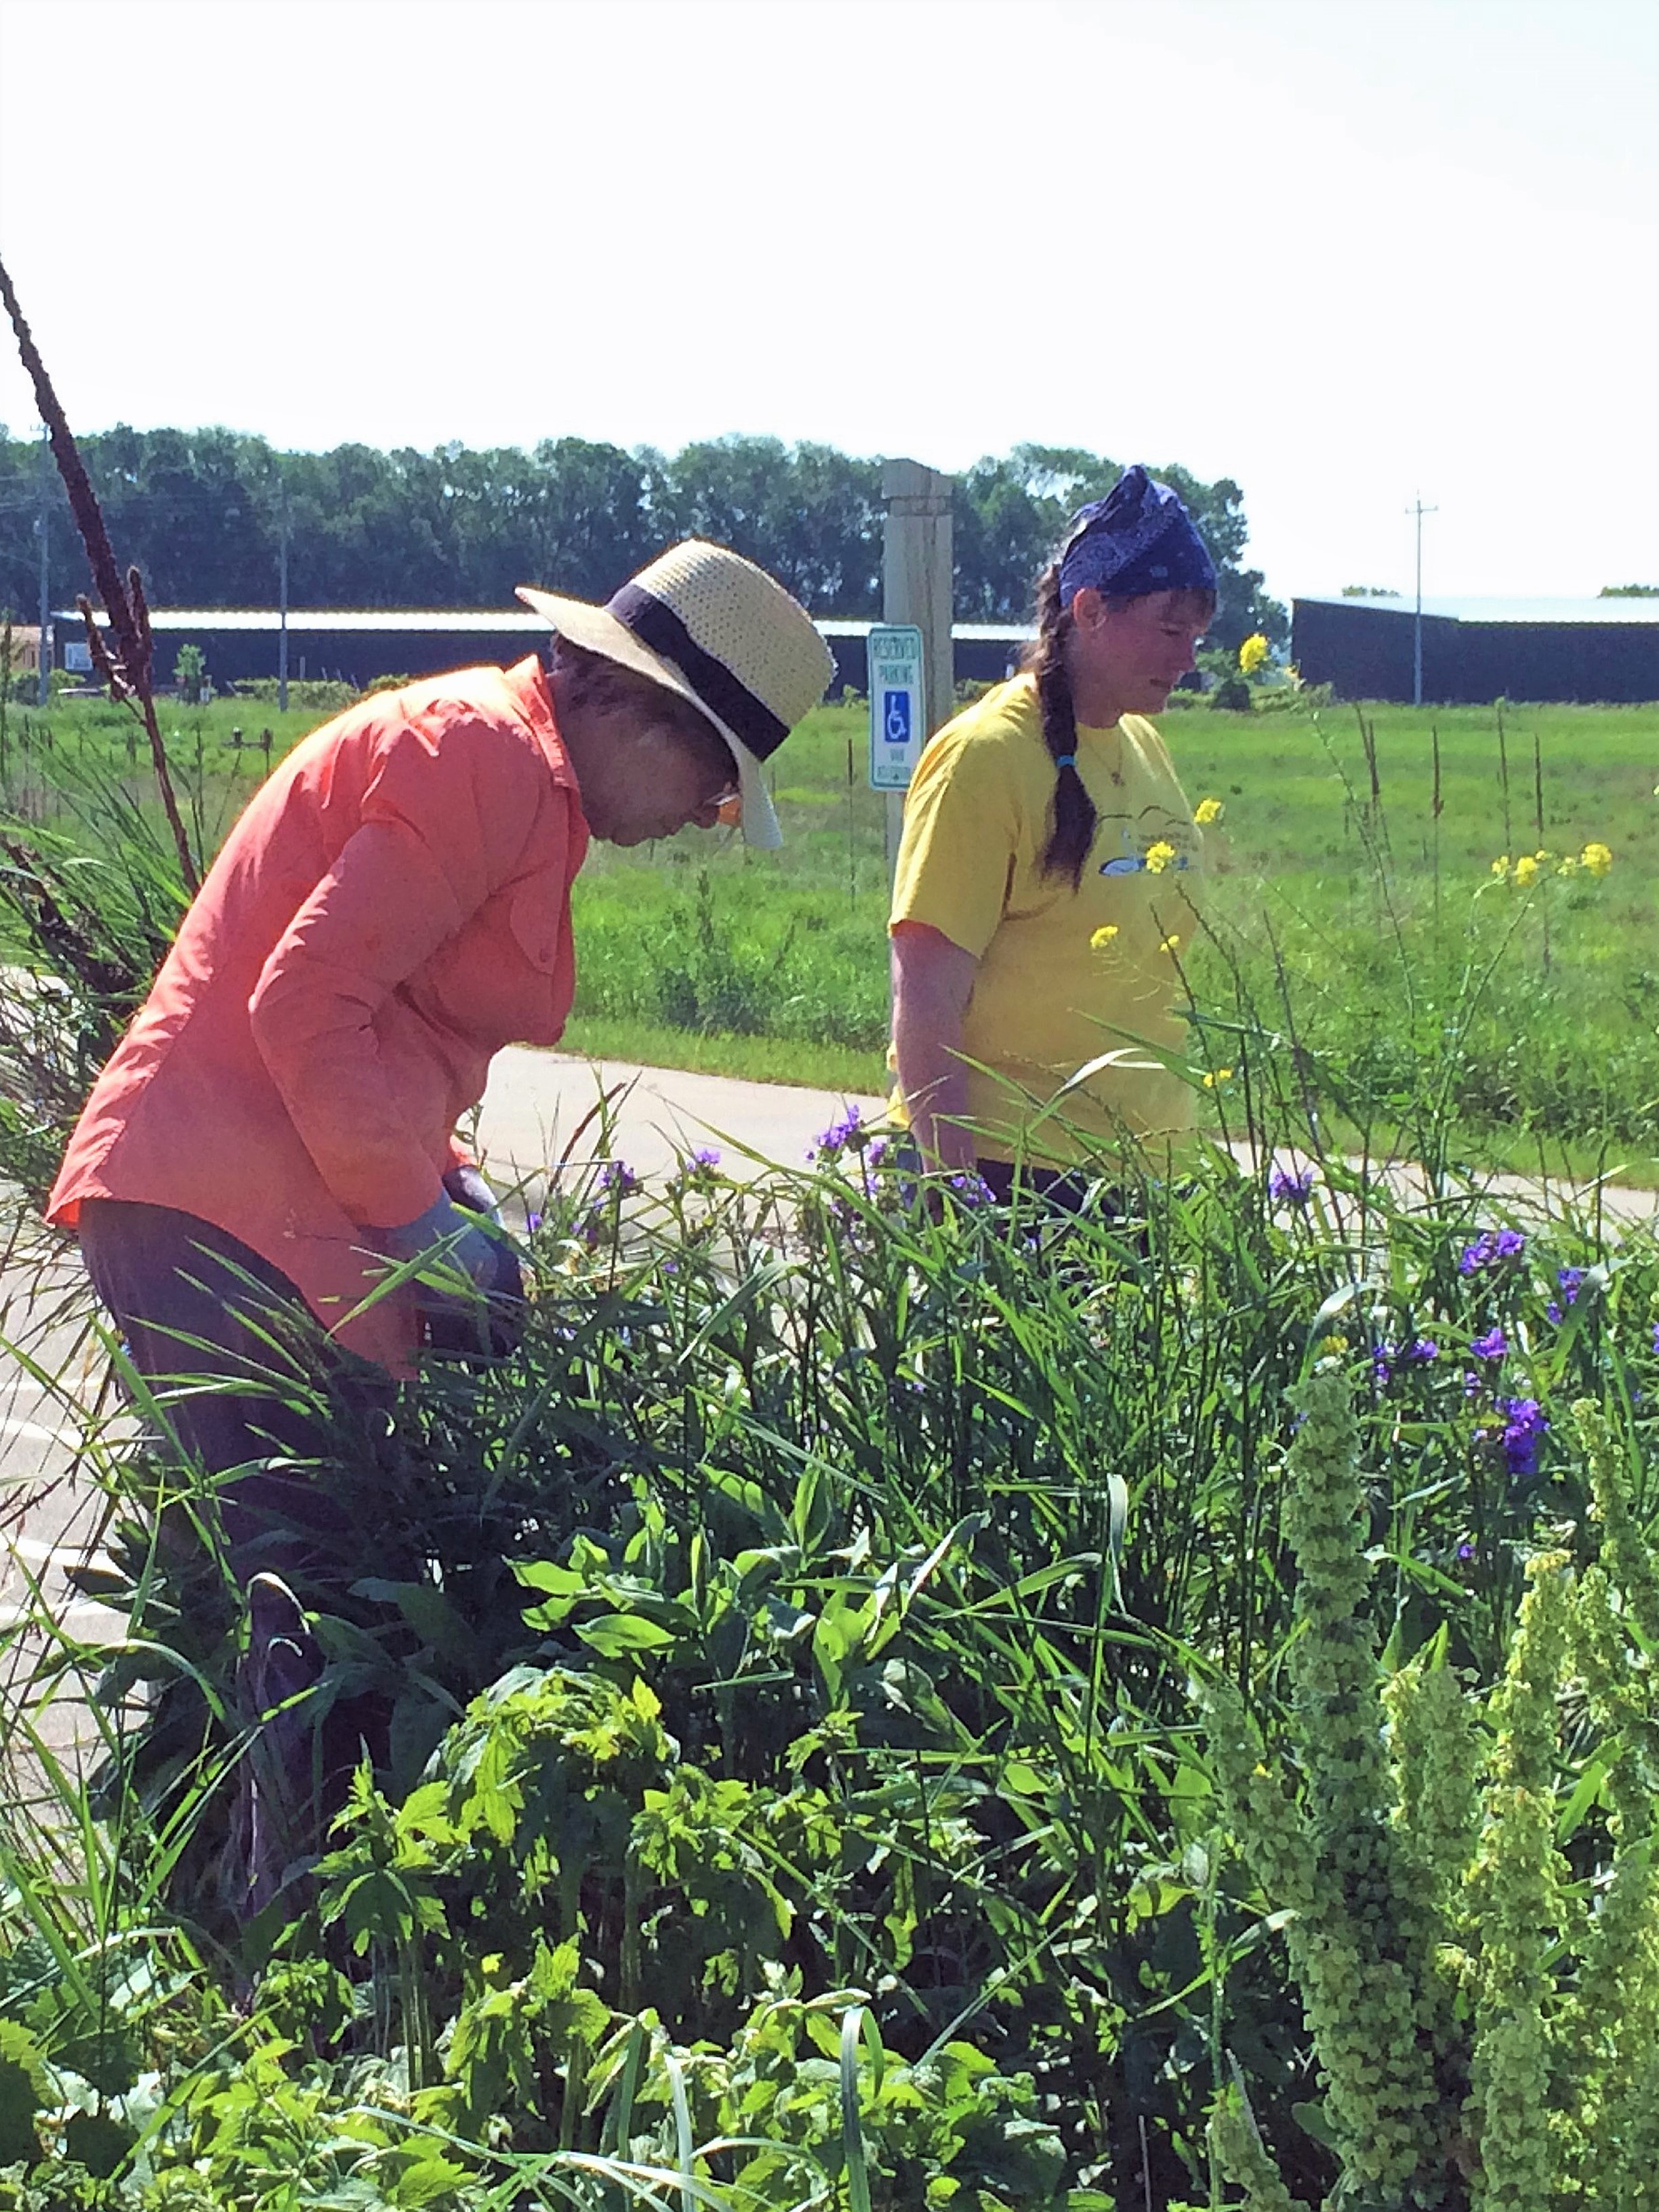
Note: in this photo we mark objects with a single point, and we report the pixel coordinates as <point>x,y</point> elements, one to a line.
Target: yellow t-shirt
<point>1045,999</point>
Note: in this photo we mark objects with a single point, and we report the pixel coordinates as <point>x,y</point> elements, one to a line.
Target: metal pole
<point>916,588</point>
<point>1420,510</point>
<point>43,693</point>
<point>282,627</point>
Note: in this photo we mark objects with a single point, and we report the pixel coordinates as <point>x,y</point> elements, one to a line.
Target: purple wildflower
<point>876,1153</point>
<point>705,1156</point>
<point>836,1138</point>
<point>972,1189</point>
<point>1421,1352</point>
<point>1291,1188</point>
<point>1656,1339</point>
<point>532,1223</point>
<point>1525,1422</point>
<point>1473,1385</point>
<point>1494,1345</point>
<point>1489,1249</point>
<point>1465,1551</point>
<point>1570,1281</point>
<point>618,1179</point>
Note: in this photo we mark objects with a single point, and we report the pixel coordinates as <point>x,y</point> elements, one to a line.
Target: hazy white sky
<point>1339,250</point>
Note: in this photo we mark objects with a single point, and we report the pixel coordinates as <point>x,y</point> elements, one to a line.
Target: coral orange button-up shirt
<point>393,907</point>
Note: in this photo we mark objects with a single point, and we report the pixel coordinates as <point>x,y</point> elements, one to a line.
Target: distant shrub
<point>316,694</point>
<point>1231,694</point>
<point>190,677</point>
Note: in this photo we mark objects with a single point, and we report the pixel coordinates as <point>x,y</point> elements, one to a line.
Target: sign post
<point>915,600</point>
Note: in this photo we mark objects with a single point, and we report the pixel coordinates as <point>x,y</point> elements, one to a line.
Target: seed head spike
<point>66,452</point>
<point>106,668</point>
<point>145,669</point>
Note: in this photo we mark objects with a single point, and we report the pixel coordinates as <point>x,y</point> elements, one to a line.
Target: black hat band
<point>656,624</point>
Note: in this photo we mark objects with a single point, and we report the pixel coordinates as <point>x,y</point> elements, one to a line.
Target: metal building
<point>1477,650</point>
<point>358,646</point>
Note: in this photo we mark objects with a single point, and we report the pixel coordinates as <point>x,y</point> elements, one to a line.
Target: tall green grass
<point>794,1783</point>
<point>1343,904</point>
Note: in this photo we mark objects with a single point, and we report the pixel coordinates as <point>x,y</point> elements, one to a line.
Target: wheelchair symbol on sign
<point>895,717</point>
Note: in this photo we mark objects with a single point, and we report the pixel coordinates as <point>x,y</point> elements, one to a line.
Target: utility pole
<point>282,586</point>
<point>1419,511</point>
<point>916,588</point>
<point>41,522</point>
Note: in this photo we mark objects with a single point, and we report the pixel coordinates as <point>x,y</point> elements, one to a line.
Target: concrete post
<point>916,588</point>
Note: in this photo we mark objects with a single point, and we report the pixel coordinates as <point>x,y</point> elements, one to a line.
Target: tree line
<point>204,513</point>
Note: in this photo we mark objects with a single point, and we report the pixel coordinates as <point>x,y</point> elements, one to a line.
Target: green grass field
<point>1352,905</point>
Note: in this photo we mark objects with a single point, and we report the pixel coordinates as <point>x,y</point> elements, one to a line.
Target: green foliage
<point>1479,1986</point>
<point>786,1781</point>
<point>201,512</point>
<point>1429,1007</point>
<point>190,676</point>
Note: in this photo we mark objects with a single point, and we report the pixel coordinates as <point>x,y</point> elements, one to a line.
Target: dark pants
<point>1055,1186</point>
<point>241,1370</point>
<point>249,1390</point>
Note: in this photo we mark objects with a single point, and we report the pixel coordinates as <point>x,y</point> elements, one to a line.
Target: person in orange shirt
<point>276,1130</point>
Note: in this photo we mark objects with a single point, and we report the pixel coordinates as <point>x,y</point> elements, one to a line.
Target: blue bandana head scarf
<point>1139,539</point>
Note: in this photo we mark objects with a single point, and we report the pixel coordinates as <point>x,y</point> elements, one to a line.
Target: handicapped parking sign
<point>898,720</point>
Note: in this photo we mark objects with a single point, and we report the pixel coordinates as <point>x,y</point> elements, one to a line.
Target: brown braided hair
<point>1075,816</point>
<point>1073,831</point>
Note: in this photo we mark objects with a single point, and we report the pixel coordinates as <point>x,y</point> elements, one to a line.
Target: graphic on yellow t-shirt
<point>1064,975</point>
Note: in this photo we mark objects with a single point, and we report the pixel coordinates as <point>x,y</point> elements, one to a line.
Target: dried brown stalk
<point>128,671</point>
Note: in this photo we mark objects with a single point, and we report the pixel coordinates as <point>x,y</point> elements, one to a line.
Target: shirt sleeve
<point>442,828</point>
<point>962,832</point>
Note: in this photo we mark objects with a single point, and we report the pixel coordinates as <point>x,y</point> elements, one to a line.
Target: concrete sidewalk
<point>539,1103</point>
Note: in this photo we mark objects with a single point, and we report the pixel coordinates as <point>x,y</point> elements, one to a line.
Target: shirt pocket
<point>538,919</point>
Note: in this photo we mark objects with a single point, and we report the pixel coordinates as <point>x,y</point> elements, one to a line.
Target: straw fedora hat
<point>706,624</point>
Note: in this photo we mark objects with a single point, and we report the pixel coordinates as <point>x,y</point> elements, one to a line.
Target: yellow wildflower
<point>1159,856</point>
<point>1102,937</point>
<point>1596,858</point>
<point>1253,653</point>
<point>1171,944</point>
<point>1207,810</point>
<point>1526,871</point>
<point>1219,1075</point>
<point>1567,866</point>
<point>1500,867</point>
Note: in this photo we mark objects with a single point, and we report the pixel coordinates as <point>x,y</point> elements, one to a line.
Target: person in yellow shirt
<point>1041,900</point>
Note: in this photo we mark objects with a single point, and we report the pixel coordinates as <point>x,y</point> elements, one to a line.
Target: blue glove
<point>464,1245</point>
<point>483,1321</point>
